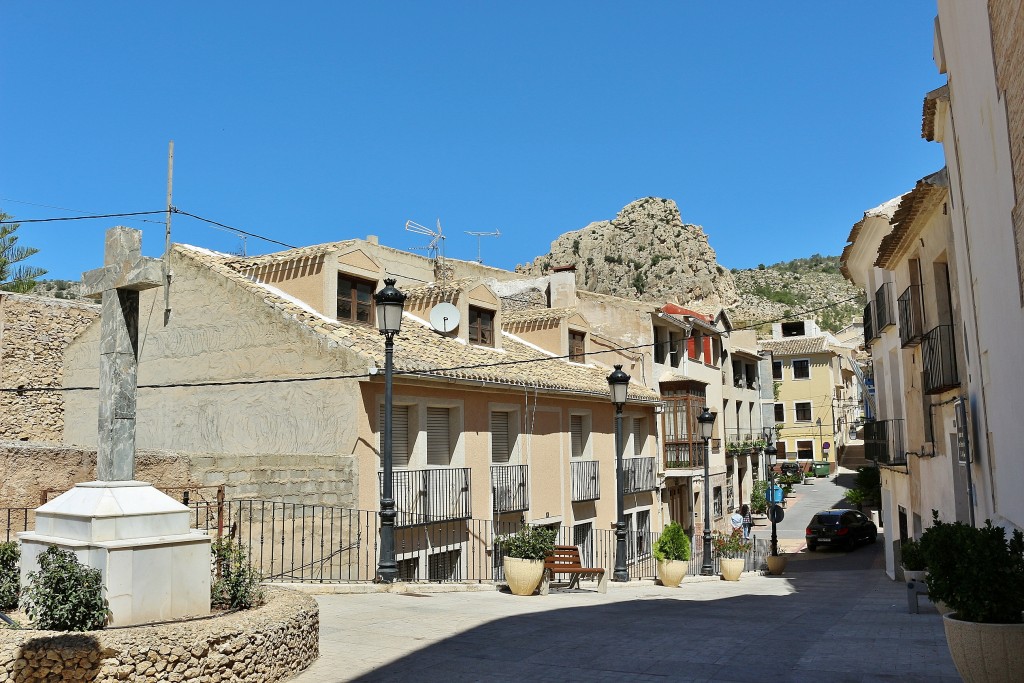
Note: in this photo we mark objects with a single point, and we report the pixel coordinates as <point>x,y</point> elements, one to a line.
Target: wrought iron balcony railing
<point>684,455</point>
<point>883,308</point>
<point>910,309</point>
<point>427,496</point>
<point>638,475</point>
<point>510,488</point>
<point>939,349</point>
<point>869,324</point>
<point>883,442</point>
<point>585,483</point>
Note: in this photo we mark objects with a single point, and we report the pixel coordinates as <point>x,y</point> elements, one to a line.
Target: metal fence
<point>940,372</point>
<point>585,482</point>
<point>638,475</point>
<point>510,490</point>
<point>17,519</point>
<point>433,494</point>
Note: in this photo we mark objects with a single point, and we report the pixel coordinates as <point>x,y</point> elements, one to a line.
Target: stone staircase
<point>853,456</point>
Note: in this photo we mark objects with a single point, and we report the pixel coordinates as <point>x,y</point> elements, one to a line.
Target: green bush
<point>730,545</point>
<point>9,579</point>
<point>238,586</point>
<point>65,595</point>
<point>912,556</point>
<point>529,543</point>
<point>673,544</point>
<point>975,571</point>
<point>759,497</point>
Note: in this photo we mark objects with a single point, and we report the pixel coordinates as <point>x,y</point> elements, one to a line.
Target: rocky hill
<point>58,289</point>
<point>645,252</point>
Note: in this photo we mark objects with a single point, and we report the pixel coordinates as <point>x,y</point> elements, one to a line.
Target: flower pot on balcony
<point>776,564</point>
<point>523,576</point>
<point>671,572</point>
<point>985,652</point>
<point>731,568</point>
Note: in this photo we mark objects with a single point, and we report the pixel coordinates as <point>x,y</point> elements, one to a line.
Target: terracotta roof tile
<point>928,192</point>
<point>534,315</point>
<point>795,346</point>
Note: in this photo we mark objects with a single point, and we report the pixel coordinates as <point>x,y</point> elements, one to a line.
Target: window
<point>639,434</point>
<point>501,445</point>
<point>443,566</point>
<point>583,538</point>
<point>802,369</point>
<point>776,369</point>
<point>355,299</point>
<point>481,326</point>
<point>439,449</point>
<point>803,411</point>
<point>577,435</point>
<point>805,450</point>
<point>409,569</point>
<point>730,490</point>
<point>717,501</point>
<point>399,434</point>
<point>780,412</point>
<point>683,445</point>
<point>638,531</point>
<point>577,353</point>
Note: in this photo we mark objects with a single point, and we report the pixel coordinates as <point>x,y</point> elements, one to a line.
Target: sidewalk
<point>819,622</point>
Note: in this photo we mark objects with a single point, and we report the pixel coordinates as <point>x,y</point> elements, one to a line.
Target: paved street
<point>833,616</point>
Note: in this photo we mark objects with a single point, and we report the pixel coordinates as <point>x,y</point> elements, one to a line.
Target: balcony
<point>638,475</point>
<point>427,496</point>
<point>883,308</point>
<point>869,325</point>
<point>883,442</point>
<point>910,309</point>
<point>585,482</point>
<point>939,360</point>
<point>684,455</point>
<point>509,488</point>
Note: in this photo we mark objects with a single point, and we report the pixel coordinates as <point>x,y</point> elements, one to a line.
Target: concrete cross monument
<point>154,566</point>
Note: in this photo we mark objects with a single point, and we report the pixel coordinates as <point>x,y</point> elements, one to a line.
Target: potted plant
<point>524,553</point>
<point>913,561</point>
<point>730,549</point>
<point>808,477</point>
<point>979,575</point>
<point>672,550</point>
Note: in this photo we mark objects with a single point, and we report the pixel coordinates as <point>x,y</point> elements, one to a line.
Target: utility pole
<point>167,235</point>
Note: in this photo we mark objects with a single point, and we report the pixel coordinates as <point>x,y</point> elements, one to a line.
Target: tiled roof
<point>928,192</point>
<point>795,346</point>
<point>435,291</point>
<point>931,106</point>
<point>534,315</point>
<point>244,262</point>
<point>885,211</point>
<point>745,352</point>
<point>420,350</point>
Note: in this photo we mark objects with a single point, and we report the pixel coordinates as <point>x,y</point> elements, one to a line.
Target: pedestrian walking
<point>748,521</point>
<point>736,519</point>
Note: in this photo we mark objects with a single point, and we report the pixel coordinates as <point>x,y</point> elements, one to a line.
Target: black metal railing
<point>883,307</point>
<point>17,519</point>
<point>638,475</point>
<point>433,495</point>
<point>883,442</point>
<point>510,488</point>
<point>684,455</point>
<point>586,484</point>
<point>909,306</point>
<point>869,324</point>
<point>939,350</point>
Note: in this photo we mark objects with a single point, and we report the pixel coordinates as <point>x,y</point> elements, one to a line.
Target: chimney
<point>372,239</point>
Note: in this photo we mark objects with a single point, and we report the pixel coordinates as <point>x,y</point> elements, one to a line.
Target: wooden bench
<point>566,560</point>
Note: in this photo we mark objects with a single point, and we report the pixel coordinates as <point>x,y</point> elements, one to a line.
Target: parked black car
<point>841,529</point>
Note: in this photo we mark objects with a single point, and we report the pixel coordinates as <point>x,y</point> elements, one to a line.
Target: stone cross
<point>125,273</point>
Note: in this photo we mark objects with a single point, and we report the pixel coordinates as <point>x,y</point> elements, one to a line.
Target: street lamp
<point>821,441</point>
<point>770,458</point>
<point>389,321</point>
<point>706,423</point>
<point>618,383</point>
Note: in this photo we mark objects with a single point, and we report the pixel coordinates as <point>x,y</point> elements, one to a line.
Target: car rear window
<point>826,520</point>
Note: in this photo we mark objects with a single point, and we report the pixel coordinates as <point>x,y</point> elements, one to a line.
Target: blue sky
<point>773,125</point>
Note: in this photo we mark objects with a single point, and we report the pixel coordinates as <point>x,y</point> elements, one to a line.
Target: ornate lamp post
<point>706,422</point>
<point>821,440</point>
<point>618,383</point>
<point>771,457</point>
<point>389,321</point>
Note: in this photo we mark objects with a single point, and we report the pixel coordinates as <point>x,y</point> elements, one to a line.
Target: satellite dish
<point>444,317</point>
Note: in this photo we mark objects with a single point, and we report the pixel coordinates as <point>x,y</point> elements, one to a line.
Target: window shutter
<point>691,348</point>
<point>500,451</point>
<point>576,434</point>
<point>638,436</point>
<point>438,436</point>
<point>399,435</point>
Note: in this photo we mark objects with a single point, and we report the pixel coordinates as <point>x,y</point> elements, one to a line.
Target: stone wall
<point>28,470</point>
<point>34,333</point>
<point>266,644</point>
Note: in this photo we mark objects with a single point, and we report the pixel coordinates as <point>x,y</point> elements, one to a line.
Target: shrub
<point>9,579</point>
<point>975,571</point>
<point>65,595</point>
<point>673,544</point>
<point>913,557</point>
<point>238,586</point>
<point>759,497</point>
<point>529,543</point>
<point>730,545</point>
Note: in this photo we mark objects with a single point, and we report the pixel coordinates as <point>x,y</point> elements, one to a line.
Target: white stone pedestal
<point>154,566</point>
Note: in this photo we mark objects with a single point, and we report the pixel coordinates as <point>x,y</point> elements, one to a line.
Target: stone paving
<point>836,618</point>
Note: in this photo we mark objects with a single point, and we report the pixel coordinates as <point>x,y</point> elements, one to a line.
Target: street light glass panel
<point>618,384</point>
<point>390,302</point>
<point>706,420</point>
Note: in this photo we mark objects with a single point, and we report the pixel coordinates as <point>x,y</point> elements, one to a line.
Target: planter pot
<point>731,568</point>
<point>914,575</point>
<point>985,652</point>
<point>808,480</point>
<point>671,572</point>
<point>523,576</point>
<point>776,564</point>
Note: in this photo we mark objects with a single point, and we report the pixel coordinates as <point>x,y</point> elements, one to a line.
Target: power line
<point>228,227</point>
<point>64,208</point>
<point>83,218</point>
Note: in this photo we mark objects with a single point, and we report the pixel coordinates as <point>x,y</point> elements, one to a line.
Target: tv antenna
<point>478,235</point>
<point>435,248</point>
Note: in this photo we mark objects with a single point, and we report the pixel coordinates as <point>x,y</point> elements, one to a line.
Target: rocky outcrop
<point>646,252</point>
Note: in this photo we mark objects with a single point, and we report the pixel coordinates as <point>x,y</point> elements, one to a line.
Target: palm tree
<point>15,278</point>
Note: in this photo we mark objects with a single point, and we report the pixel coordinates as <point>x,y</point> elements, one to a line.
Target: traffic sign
<point>776,514</point>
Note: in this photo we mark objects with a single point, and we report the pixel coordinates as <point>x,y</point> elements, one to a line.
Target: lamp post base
<point>707,567</point>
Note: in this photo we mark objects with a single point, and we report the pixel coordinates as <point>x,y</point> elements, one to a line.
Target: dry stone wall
<point>34,333</point>
<point>263,645</point>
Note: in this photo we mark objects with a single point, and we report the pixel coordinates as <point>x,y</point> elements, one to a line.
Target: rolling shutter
<point>439,450</point>
<point>638,436</point>
<point>500,451</point>
<point>576,435</point>
<point>399,435</point>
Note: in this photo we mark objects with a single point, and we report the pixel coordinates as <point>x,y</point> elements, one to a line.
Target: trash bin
<point>775,495</point>
<point>822,468</point>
